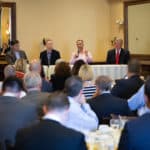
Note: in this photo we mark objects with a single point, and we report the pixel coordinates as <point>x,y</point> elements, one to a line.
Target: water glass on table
<point>115,123</point>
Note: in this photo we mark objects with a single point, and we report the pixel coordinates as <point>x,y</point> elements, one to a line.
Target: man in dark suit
<point>14,114</point>
<point>33,83</point>
<point>105,104</point>
<point>49,56</point>
<point>50,133</point>
<point>118,55</point>
<point>136,133</point>
<point>15,53</point>
<point>125,88</point>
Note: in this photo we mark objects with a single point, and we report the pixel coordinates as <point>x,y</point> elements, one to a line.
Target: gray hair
<point>9,70</point>
<point>32,80</point>
<point>104,83</point>
<point>35,65</point>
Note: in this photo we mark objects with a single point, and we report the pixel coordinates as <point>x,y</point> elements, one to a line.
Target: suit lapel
<point>114,56</point>
<point>121,56</point>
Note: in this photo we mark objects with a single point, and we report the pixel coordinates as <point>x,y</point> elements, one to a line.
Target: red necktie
<point>117,57</point>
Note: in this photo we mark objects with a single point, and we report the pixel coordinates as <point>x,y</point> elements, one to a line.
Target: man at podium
<point>118,55</point>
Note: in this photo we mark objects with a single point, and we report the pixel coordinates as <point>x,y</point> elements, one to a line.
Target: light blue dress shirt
<point>81,117</point>
<point>17,54</point>
<point>137,102</point>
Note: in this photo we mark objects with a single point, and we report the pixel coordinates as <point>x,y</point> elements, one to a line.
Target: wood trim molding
<point>11,5</point>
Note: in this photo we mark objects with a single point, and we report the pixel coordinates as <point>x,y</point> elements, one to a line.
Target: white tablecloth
<point>114,71</point>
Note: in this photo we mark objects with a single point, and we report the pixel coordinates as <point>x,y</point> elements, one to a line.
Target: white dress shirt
<point>81,56</point>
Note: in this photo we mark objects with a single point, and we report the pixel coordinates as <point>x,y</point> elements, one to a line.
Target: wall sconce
<point>7,32</point>
<point>119,22</point>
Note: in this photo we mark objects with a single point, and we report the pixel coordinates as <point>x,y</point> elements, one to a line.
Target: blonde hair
<point>86,72</point>
<point>21,65</point>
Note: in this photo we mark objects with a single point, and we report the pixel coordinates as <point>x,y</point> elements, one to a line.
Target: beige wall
<point>116,12</point>
<point>65,21</point>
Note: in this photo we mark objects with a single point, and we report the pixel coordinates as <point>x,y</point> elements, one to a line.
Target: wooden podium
<point>3,63</point>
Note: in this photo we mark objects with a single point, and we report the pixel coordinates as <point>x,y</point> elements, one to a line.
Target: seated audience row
<point>59,111</point>
<point>50,133</point>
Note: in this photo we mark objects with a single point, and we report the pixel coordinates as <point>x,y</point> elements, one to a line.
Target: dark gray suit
<point>136,134</point>
<point>49,135</point>
<point>36,98</point>
<point>11,57</point>
<point>14,114</point>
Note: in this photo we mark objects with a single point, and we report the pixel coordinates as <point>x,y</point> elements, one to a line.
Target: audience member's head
<point>62,69</point>
<point>86,73</point>
<point>21,65</point>
<point>57,103</point>
<point>103,84</point>
<point>13,86</point>
<point>76,67</point>
<point>9,70</point>
<point>118,43</point>
<point>15,45</point>
<point>32,81</point>
<point>134,67</point>
<point>147,92</point>
<point>73,86</point>
<point>35,66</point>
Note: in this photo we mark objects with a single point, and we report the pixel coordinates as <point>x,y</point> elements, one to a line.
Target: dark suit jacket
<point>36,98</point>
<point>54,56</point>
<point>11,58</point>
<point>125,88</point>
<point>46,86</point>
<point>49,135</point>
<point>124,56</point>
<point>14,114</point>
<point>136,134</point>
<point>106,104</point>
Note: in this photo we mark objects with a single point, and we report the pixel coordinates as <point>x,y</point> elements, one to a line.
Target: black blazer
<point>49,135</point>
<point>54,56</point>
<point>125,88</point>
<point>106,104</point>
<point>14,114</point>
<point>124,56</point>
<point>136,134</point>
